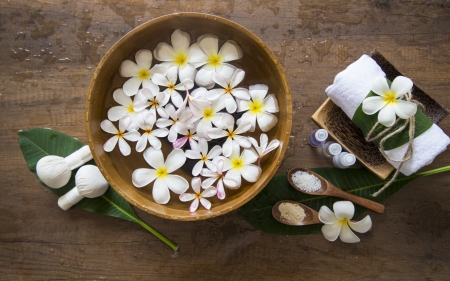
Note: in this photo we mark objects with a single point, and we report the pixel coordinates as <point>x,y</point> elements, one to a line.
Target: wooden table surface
<point>48,52</point>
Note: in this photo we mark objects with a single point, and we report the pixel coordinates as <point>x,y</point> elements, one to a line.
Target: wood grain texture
<point>48,53</point>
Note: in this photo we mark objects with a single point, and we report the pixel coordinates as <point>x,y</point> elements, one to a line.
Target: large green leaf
<point>37,143</point>
<point>258,211</point>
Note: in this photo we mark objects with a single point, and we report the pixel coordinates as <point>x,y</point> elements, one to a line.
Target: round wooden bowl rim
<point>226,206</point>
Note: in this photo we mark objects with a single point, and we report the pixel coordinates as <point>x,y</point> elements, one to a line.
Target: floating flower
<point>119,135</point>
<point>146,122</point>
<point>178,120</point>
<point>180,55</point>
<point>198,197</point>
<point>339,223</point>
<point>147,97</point>
<point>264,148</point>
<point>200,152</point>
<point>189,135</point>
<point>125,108</point>
<point>259,108</point>
<point>139,72</point>
<point>232,135</point>
<point>388,101</point>
<point>216,172</point>
<point>229,90</point>
<point>161,174</point>
<point>241,165</point>
<point>216,61</point>
<point>172,89</point>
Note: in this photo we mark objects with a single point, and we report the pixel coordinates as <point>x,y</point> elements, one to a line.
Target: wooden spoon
<point>329,189</point>
<point>312,216</point>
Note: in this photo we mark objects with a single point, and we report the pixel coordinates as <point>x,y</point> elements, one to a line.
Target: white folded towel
<point>349,89</point>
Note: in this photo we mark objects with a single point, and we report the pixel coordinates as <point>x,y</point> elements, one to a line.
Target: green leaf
<point>360,182</point>
<point>37,143</point>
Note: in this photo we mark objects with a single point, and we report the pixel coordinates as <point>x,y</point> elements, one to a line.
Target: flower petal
<point>220,190</point>
<point>164,52</point>
<point>331,231</point>
<point>347,235</point>
<point>184,197</point>
<point>205,203</point>
<point>219,79</point>
<point>380,86</point>
<point>234,175</point>
<point>227,70</point>
<point>154,157</point>
<point>401,85</point>
<point>180,41</point>
<point>344,209</point>
<point>163,122</point>
<point>251,173</point>
<point>128,69</point>
<point>214,152</point>
<point>216,133</point>
<point>266,121</point>
<point>188,72</point>
<point>197,168</point>
<point>231,184</point>
<point>124,122</point>
<point>124,147</point>
<point>117,112</point>
<point>405,109</point>
<point>144,59</point>
<point>204,77</point>
<point>155,142</point>
<point>327,216</point>
<point>249,156</point>
<point>175,160</point>
<point>194,205</point>
<point>227,147</point>
<point>196,184</point>
<point>196,55</point>
<point>110,144</point>
<point>209,43</point>
<point>177,183</point>
<point>179,142</point>
<point>176,98</point>
<point>271,104</point>
<point>361,226</point>
<point>121,98</point>
<point>237,77</point>
<point>386,116</point>
<point>131,86</point>
<point>230,51</point>
<point>132,136</point>
<point>160,79</point>
<point>272,145</point>
<point>258,91</point>
<point>143,176</point>
<point>141,143</point>
<point>242,141</point>
<point>160,192</point>
<point>209,192</point>
<point>148,84</point>
<point>230,104</point>
<point>241,93</point>
<point>209,181</point>
<point>215,93</point>
<point>372,105</point>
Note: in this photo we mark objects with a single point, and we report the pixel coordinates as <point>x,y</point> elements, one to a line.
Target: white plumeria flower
<point>125,108</point>
<point>189,135</point>
<point>265,147</point>
<point>216,173</point>
<point>147,97</point>
<point>339,223</point>
<point>139,72</point>
<point>198,196</point>
<point>146,122</point>
<point>179,121</point>
<point>241,165</point>
<point>232,135</point>
<point>180,55</point>
<point>388,101</point>
<point>229,90</point>
<point>259,108</point>
<point>119,135</point>
<point>217,60</point>
<point>200,151</point>
<point>161,174</point>
<point>172,89</point>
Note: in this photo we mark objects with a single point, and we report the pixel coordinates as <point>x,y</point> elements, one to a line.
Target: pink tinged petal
<point>219,79</point>
<point>347,235</point>
<point>237,78</point>
<point>361,226</point>
<point>160,79</point>
<point>214,152</point>
<point>231,51</point>
<point>120,97</point>
<point>124,147</point>
<point>272,145</point>
<point>160,192</point>
<point>220,190</point>
<point>180,41</point>
<point>230,104</point>
<point>258,91</point>
<point>380,86</point>
<point>164,52</point>
<point>124,122</point>
<point>179,142</point>
<point>405,109</point>
<point>234,175</point>
<point>156,143</point>
<point>251,173</point>
<point>197,168</point>
<point>344,209</point>
<point>162,123</point>
<point>209,192</point>
<point>117,112</point>
<point>128,69</point>
<point>271,104</point>
<point>331,231</point>
<point>177,183</point>
<point>266,121</point>
<point>204,77</point>
<point>141,143</point>
<point>196,184</point>
<point>142,177</point>
<point>401,85</point>
<point>194,205</point>
<point>144,59</point>
<point>175,160</point>
<point>205,203</point>
<point>185,197</point>
<point>372,105</point>
<point>188,72</point>
<point>227,147</point>
<point>148,84</point>
<point>327,216</point>
<point>242,141</point>
<point>132,136</point>
<point>249,156</point>
<point>209,43</point>
<point>108,127</point>
<point>177,100</point>
<point>110,144</point>
<point>196,55</point>
<point>216,133</point>
<point>386,116</point>
<point>131,86</point>
<point>154,157</point>
<point>241,94</point>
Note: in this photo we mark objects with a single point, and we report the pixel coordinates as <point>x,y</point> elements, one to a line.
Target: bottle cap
<point>334,148</point>
<point>348,159</point>
<point>321,135</point>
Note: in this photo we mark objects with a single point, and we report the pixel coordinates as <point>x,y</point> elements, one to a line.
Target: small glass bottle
<point>344,160</point>
<point>318,137</point>
<point>331,148</point>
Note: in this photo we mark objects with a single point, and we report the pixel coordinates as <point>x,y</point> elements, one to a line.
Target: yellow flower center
<point>198,195</point>
<point>174,121</point>
<point>214,60</point>
<point>208,113</point>
<point>204,158</point>
<point>390,98</point>
<point>143,74</point>
<point>237,163</point>
<point>256,107</point>
<point>228,90</point>
<point>181,59</point>
<point>130,108</point>
<point>161,172</point>
<point>148,131</point>
<point>119,134</point>
<point>171,86</point>
<point>154,102</point>
<point>230,134</point>
<point>189,135</point>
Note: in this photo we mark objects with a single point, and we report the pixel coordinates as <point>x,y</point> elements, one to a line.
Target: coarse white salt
<point>306,182</point>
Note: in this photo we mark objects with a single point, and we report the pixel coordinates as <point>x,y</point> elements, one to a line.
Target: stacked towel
<point>349,89</point>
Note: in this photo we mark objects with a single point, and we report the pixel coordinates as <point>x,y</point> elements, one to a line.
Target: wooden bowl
<point>261,67</point>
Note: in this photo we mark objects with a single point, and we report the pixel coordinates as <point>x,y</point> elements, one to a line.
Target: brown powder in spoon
<point>292,213</point>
